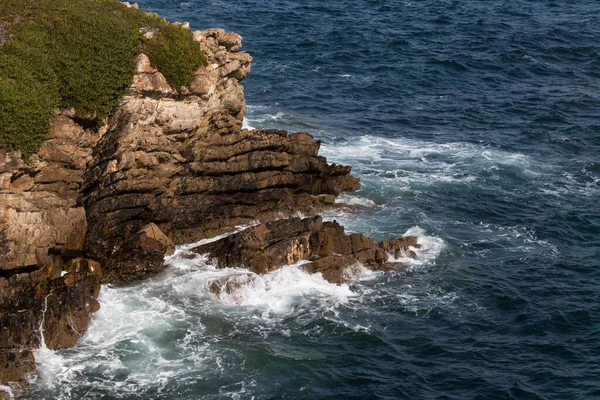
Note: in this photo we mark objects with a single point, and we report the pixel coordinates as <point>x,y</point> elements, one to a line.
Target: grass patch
<point>78,54</point>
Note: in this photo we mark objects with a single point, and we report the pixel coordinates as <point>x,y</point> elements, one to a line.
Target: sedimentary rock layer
<point>184,163</point>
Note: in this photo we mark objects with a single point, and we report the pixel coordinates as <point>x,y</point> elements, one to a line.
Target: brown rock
<point>230,40</point>
<point>139,256</point>
<point>195,175</point>
<point>10,160</point>
<point>68,307</point>
<point>151,84</point>
<point>16,365</point>
<point>267,247</point>
<point>153,232</point>
<point>23,182</point>
<point>401,247</point>
<point>332,267</point>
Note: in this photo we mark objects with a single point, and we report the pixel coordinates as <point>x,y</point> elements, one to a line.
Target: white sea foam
<point>411,161</point>
<point>423,303</point>
<point>278,116</point>
<point>431,247</point>
<point>129,328</point>
<point>170,327</point>
<point>512,238</point>
<point>281,292</point>
<point>423,151</point>
<point>353,200</point>
<point>246,125</point>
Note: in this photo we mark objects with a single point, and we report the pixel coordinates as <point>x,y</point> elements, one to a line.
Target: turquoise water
<point>475,125</point>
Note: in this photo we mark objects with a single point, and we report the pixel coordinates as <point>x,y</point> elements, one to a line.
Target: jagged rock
<point>53,301</point>
<point>186,165</point>
<point>219,37</point>
<point>205,185</point>
<point>401,247</point>
<point>267,247</point>
<point>152,231</point>
<point>39,210</point>
<point>72,298</point>
<point>39,201</point>
<point>138,256</point>
<point>148,80</point>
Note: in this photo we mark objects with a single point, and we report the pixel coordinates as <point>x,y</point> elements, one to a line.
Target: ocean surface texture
<point>473,124</point>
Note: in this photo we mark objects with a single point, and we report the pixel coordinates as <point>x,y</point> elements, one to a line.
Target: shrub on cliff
<point>78,54</point>
<point>174,54</point>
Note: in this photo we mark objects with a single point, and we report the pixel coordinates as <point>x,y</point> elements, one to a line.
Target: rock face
<point>107,204</point>
<point>267,247</point>
<point>39,200</point>
<point>51,302</point>
<point>39,212</point>
<point>185,164</point>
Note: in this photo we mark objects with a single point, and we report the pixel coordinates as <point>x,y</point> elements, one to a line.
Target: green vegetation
<point>80,54</point>
<point>175,43</point>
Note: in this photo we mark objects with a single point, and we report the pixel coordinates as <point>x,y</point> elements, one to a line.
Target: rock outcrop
<point>40,220</point>
<point>184,163</point>
<point>106,204</point>
<point>267,247</point>
<point>170,166</point>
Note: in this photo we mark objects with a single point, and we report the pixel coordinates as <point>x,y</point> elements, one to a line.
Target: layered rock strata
<point>42,227</point>
<point>327,248</point>
<point>183,163</point>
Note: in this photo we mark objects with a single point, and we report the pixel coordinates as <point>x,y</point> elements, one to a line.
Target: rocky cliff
<point>105,205</point>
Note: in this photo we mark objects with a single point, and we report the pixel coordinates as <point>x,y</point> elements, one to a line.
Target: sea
<point>474,125</point>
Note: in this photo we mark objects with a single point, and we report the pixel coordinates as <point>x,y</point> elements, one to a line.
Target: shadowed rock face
<point>53,302</point>
<point>329,250</point>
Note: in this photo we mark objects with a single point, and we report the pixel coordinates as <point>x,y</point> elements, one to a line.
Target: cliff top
<point>62,54</point>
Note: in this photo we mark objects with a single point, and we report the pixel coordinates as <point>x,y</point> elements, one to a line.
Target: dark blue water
<point>475,124</point>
